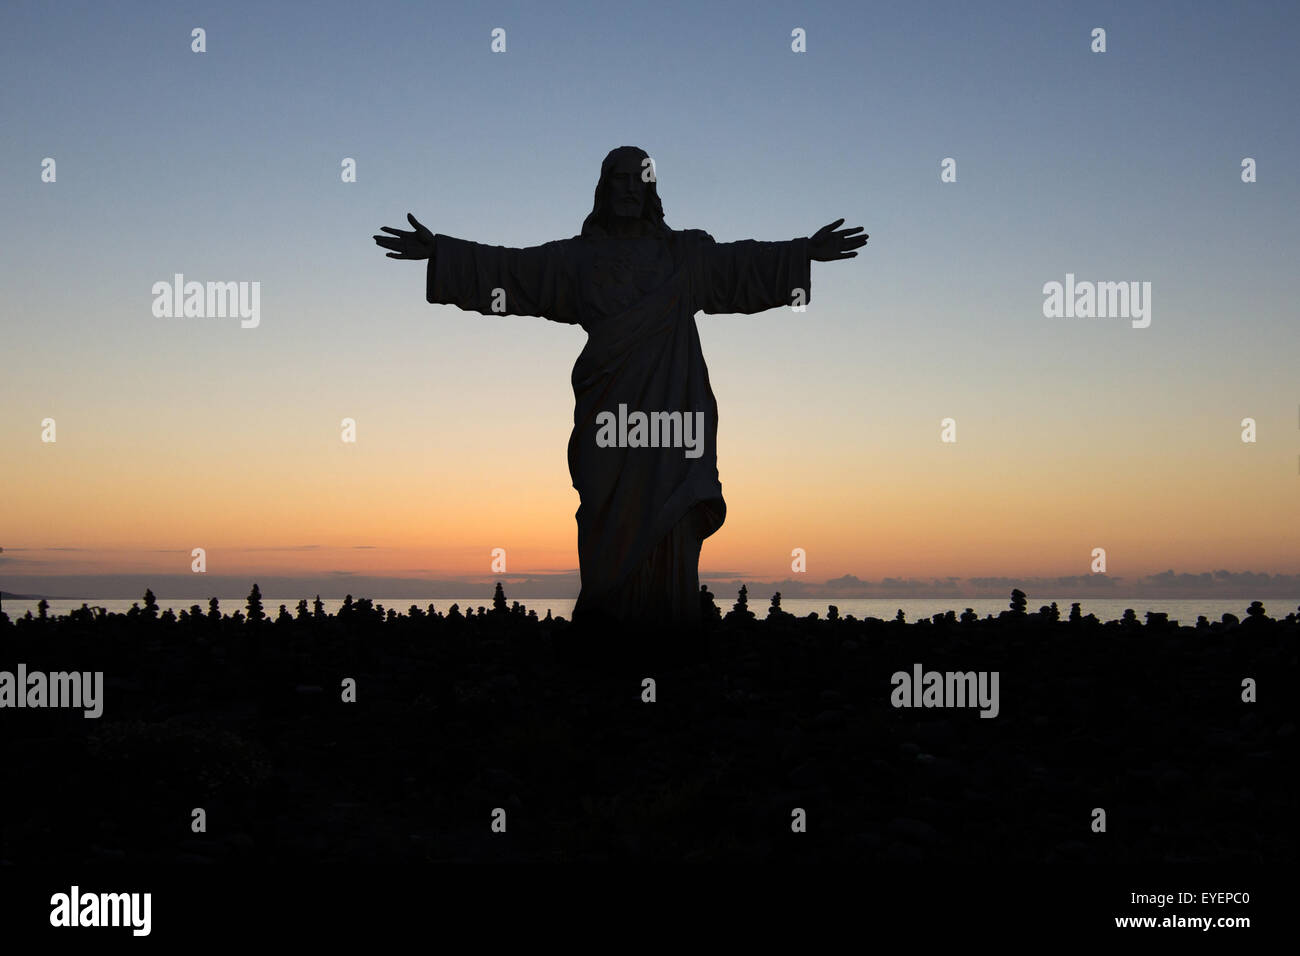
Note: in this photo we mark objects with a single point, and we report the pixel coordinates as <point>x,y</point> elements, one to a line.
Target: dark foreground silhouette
<point>457,716</point>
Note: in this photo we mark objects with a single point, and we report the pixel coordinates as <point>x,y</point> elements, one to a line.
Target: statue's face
<point>626,188</point>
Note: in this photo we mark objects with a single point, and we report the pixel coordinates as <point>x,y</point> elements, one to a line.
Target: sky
<point>1072,433</point>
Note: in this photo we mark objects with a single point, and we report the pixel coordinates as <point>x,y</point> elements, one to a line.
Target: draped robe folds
<point>643,511</point>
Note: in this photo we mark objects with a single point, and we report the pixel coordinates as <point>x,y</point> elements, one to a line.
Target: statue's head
<point>626,191</point>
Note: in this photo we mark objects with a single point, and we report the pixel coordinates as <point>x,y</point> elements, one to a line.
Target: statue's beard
<point>623,224</point>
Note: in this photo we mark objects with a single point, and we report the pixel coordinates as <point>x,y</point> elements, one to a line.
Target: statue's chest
<point>621,272</point>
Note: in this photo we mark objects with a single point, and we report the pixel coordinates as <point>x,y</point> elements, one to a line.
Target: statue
<point>643,451</point>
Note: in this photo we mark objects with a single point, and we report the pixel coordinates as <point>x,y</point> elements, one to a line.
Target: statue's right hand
<point>407,244</point>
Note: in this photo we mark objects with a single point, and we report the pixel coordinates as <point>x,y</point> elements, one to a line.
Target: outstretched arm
<point>751,276</point>
<point>493,280</point>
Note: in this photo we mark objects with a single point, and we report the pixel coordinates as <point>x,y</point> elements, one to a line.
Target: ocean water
<point>1184,610</point>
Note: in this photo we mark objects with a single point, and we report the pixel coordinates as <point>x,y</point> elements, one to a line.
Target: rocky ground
<point>455,717</point>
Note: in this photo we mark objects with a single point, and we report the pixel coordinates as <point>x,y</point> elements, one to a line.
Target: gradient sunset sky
<point>1073,434</point>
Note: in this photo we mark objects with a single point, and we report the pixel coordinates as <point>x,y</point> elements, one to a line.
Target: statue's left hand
<point>417,244</point>
<point>830,242</point>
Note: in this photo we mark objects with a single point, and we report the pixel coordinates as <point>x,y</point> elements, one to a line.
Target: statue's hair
<point>597,224</point>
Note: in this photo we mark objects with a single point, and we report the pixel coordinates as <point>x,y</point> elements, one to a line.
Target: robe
<point>644,511</point>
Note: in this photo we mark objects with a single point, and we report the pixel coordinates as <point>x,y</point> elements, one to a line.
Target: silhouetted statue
<point>649,498</point>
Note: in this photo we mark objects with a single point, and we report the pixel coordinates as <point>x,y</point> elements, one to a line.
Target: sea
<point>1184,610</point>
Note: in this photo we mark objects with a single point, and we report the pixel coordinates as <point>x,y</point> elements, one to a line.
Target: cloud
<point>1222,581</point>
<point>542,572</point>
<point>289,547</point>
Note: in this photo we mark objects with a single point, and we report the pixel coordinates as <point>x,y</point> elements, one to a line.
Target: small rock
<point>914,831</point>
<point>806,775</point>
<point>827,719</point>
